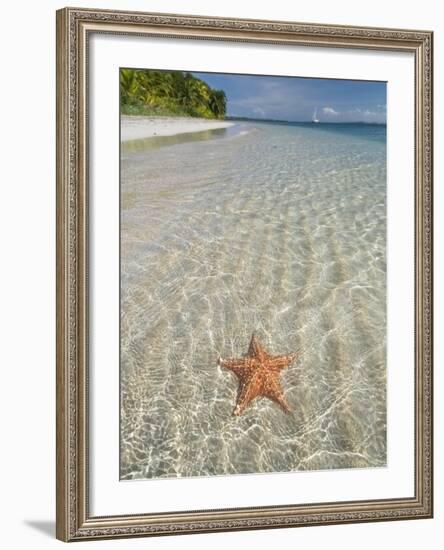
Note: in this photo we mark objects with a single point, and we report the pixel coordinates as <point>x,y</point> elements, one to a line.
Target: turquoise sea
<point>277,229</point>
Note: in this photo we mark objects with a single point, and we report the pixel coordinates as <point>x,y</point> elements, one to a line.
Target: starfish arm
<point>273,390</point>
<point>280,362</point>
<point>240,367</point>
<point>247,392</point>
<point>257,350</point>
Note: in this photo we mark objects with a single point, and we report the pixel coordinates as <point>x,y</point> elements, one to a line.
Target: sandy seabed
<point>276,229</point>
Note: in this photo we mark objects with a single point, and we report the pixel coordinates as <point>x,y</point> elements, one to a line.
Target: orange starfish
<point>258,375</point>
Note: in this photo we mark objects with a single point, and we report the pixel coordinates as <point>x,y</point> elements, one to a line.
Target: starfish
<point>258,375</point>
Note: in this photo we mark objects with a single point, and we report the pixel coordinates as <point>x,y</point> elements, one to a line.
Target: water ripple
<point>280,230</point>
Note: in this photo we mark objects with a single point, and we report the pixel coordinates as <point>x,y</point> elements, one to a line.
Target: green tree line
<point>169,93</point>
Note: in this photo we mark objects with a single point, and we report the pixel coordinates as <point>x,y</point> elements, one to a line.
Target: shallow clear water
<point>272,228</point>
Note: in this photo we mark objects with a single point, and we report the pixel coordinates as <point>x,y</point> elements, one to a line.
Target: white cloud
<point>270,99</point>
<point>355,115</point>
<point>330,111</point>
<point>259,111</point>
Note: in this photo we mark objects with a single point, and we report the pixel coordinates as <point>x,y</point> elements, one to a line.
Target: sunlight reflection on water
<point>278,230</point>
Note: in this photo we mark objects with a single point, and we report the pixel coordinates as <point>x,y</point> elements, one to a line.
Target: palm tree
<point>155,87</point>
<point>218,103</point>
<point>172,92</point>
<point>128,85</point>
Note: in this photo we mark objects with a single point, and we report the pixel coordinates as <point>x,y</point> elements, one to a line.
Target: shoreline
<point>143,127</point>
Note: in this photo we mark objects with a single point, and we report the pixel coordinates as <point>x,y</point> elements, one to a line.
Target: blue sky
<point>295,99</point>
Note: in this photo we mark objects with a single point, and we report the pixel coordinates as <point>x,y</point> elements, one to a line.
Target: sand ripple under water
<point>274,229</point>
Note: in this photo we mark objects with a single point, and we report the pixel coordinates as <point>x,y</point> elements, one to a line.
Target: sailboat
<point>315,119</point>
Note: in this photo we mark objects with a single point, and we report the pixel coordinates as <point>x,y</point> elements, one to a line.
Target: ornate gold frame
<point>73,519</point>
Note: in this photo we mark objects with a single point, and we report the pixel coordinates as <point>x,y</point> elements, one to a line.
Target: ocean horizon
<point>300,122</point>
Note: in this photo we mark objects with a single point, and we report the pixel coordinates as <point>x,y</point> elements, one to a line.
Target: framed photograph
<point>244,274</point>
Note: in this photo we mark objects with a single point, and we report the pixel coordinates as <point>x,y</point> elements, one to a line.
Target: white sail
<point>315,116</point>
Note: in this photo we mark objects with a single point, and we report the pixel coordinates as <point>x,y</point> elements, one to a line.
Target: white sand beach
<point>141,127</point>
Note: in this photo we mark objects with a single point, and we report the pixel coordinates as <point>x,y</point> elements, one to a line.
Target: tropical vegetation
<point>169,93</point>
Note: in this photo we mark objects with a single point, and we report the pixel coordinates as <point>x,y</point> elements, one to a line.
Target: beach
<point>276,229</point>
<point>141,127</point>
